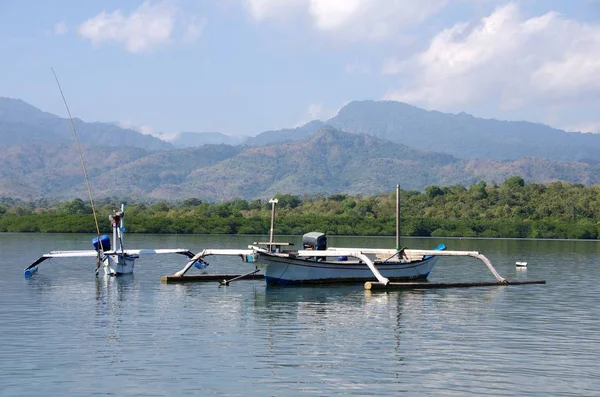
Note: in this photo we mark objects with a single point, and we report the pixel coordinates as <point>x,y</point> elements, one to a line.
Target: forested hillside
<point>330,162</point>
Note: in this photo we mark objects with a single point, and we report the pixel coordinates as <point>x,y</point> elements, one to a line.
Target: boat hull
<point>117,265</point>
<point>286,270</point>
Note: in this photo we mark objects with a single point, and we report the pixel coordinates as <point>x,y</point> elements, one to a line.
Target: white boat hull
<point>285,270</point>
<point>117,265</point>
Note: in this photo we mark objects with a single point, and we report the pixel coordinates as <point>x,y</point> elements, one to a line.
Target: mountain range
<point>367,148</point>
<point>460,135</point>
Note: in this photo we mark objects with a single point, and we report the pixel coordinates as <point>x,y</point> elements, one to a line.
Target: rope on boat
<point>87,181</point>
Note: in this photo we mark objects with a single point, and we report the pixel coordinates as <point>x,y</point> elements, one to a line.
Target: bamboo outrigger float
<point>316,264</point>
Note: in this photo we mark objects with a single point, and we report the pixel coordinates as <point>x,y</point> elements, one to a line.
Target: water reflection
<point>111,293</point>
<point>110,289</point>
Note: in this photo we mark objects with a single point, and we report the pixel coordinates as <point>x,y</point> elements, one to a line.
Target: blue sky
<point>246,66</point>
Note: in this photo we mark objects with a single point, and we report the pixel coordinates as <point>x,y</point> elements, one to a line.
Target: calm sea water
<point>66,333</point>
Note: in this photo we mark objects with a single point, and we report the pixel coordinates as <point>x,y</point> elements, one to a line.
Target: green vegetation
<point>514,209</point>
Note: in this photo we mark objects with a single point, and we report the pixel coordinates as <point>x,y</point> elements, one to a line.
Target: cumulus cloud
<point>505,60</point>
<point>148,27</point>
<point>351,19</point>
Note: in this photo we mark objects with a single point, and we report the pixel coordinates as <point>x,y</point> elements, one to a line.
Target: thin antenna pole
<point>273,202</point>
<point>397,217</point>
<point>87,181</point>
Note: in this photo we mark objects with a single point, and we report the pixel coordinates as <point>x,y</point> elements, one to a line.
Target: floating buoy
<point>521,264</point>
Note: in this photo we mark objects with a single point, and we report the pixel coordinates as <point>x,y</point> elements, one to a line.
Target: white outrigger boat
<point>116,261</point>
<point>317,263</point>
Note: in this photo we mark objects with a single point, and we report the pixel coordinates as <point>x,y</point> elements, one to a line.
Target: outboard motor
<point>105,240</point>
<point>315,241</point>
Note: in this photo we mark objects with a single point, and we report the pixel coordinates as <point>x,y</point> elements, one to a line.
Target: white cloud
<point>148,27</point>
<point>506,61</point>
<point>60,28</point>
<point>350,19</point>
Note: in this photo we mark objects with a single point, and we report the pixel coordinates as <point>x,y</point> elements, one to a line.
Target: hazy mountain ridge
<point>461,135</point>
<point>286,134</point>
<point>21,123</point>
<point>312,159</point>
<point>329,162</point>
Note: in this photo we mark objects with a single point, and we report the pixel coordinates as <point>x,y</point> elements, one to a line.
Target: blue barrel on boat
<point>105,240</point>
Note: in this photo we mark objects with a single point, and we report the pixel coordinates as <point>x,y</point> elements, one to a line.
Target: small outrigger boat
<point>316,263</point>
<point>115,262</point>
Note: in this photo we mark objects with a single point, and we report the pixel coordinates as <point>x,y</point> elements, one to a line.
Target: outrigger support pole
<point>358,254</point>
<point>187,266</point>
<point>206,252</point>
<point>226,282</point>
<point>371,265</point>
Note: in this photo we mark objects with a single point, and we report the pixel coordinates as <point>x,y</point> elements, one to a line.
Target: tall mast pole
<point>397,217</point>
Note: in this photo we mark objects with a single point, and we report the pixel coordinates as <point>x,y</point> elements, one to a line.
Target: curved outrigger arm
<point>245,254</point>
<point>29,270</point>
<point>473,254</point>
<point>358,254</point>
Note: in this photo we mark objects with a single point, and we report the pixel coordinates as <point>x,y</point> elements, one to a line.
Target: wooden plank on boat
<point>198,278</point>
<point>372,285</point>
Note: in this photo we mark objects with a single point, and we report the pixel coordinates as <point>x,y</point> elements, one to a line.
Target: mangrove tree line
<point>514,209</point>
